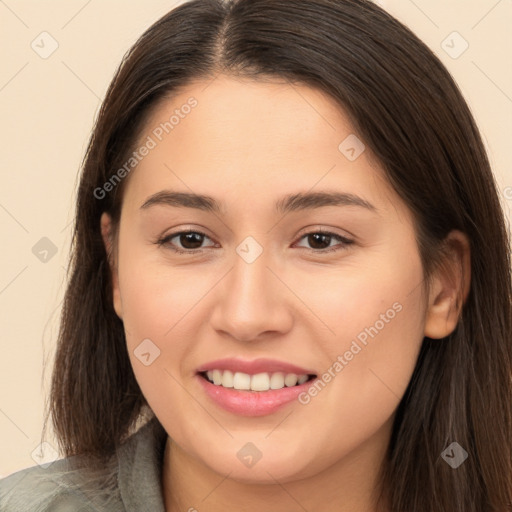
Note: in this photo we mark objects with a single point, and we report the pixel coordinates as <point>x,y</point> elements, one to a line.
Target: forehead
<point>251,114</point>
<point>250,137</point>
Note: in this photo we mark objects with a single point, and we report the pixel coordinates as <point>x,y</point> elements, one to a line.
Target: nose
<point>252,303</point>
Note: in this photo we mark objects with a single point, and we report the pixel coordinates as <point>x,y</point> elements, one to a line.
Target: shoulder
<point>130,480</point>
<point>60,487</point>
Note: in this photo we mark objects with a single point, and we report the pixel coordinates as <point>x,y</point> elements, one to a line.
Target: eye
<point>190,241</point>
<point>320,241</point>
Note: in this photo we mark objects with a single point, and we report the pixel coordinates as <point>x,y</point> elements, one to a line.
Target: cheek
<point>157,308</point>
<point>153,302</point>
<point>163,308</point>
<point>373,316</point>
<point>366,379</point>
<point>156,298</point>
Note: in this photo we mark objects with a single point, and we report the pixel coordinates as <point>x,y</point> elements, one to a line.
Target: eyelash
<point>166,239</point>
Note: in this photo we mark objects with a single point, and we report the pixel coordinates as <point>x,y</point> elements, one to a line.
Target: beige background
<point>48,106</point>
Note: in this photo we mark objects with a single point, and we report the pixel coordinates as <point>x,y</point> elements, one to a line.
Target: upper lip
<point>253,367</point>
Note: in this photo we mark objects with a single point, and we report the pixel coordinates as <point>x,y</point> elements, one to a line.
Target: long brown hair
<point>408,110</point>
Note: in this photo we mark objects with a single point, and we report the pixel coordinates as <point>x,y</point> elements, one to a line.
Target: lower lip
<point>252,403</point>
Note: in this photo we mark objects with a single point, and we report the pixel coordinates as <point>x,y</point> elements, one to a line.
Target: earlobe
<point>450,287</point>
<point>108,241</point>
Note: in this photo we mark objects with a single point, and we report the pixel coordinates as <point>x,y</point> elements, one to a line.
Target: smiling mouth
<point>264,381</point>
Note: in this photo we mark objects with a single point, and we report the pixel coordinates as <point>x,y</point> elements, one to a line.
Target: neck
<point>350,485</point>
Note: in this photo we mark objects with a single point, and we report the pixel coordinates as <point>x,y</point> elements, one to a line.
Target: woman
<point>290,270</point>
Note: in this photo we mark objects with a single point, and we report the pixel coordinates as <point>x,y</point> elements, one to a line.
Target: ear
<point>108,240</point>
<point>449,288</point>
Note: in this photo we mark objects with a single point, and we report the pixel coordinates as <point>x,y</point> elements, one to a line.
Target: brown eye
<point>185,241</point>
<point>191,240</point>
<point>320,241</point>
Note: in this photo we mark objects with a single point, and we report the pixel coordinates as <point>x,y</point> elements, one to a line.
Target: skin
<point>247,144</point>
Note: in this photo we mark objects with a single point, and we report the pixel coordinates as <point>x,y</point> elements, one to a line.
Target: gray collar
<point>140,468</point>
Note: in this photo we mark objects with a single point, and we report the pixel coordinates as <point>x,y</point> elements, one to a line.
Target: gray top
<point>130,483</point>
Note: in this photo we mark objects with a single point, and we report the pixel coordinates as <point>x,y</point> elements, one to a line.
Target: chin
<point>266,470</point>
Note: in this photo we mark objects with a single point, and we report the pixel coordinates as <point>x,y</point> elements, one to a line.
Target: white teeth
<point>217,377</point>
<point>302,379</point>
<point>258,382</point>
<point>277,381</point>
<point>290,380</point>
<point>241,381</point>
<point>227,379</point>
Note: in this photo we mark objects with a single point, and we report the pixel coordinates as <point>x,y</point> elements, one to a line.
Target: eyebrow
<point>288,203</point>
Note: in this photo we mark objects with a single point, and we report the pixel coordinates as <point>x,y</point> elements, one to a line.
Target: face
<point>301,263</point>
